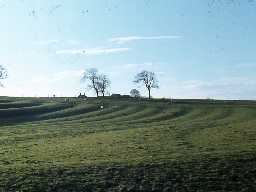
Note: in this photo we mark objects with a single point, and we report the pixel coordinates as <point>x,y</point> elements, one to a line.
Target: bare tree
<point>135,93</point>
<point>148,79</point>
<point>92,76</point>
<point>3,74</point>
<point>103,84</point>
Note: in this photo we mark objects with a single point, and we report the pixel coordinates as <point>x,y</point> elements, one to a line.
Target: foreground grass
<point>130,145</point>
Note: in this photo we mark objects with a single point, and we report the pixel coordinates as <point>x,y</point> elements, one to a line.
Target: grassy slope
<point>53,145</point>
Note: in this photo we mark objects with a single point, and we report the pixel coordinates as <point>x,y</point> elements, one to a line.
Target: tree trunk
<point>149,93</point>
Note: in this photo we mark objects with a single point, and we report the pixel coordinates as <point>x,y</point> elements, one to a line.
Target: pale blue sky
<point>197,48</point>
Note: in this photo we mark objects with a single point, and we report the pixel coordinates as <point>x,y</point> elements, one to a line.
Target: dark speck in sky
<point>54,8</point>
<point>84,11</point>
<point>32,13</point>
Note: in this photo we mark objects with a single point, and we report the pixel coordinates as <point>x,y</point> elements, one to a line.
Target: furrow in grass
<point>148,112</point>
<point>138,111</point>
<point>167,114</point>
<point>124,111</point>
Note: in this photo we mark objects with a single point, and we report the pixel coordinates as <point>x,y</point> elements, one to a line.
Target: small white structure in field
<point>102,107</point>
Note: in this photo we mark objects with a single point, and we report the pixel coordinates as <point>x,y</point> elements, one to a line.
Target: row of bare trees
<point>100,83</point>
<point>97,82</point>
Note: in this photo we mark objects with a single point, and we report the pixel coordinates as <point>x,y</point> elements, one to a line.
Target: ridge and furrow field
<point>69,144</point>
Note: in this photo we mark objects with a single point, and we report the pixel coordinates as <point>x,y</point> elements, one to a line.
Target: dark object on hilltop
<point>82,96</point>
<point>116,95</point>
<point>125,96</point>
<point>120,96</point>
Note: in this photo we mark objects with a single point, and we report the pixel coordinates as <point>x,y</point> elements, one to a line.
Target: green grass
<point>130,145</point>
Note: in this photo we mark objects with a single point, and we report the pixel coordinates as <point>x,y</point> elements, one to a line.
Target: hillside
<point>128,145</point>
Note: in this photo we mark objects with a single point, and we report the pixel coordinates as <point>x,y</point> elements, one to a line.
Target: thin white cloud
<point>73,42</point>
<point>92,51</point>
<point>46,42</point>
<point>127,39</point>
<point>223,88</point>
<point>245,65</point>
<point>233,81</point>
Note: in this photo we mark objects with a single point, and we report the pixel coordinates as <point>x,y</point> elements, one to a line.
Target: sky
<point>197,48</point>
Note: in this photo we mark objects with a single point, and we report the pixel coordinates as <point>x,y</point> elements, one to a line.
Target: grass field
<point>129,145</point>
